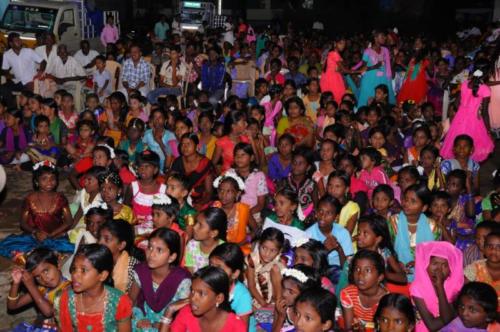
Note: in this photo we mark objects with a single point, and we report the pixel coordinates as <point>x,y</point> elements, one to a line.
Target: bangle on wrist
<point>165,320</point>
<point>13,298</point>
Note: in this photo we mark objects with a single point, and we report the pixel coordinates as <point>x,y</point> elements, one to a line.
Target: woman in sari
<point>196,168</point>
<point>415,84</point>
<point>296,123</point>
<point>377,63</point>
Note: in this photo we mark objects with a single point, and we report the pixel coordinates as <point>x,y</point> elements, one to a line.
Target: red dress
<point>331,79</point>
<point>186,321</point>
<point>47,221</point>
<point>415,85</point>
<point>227,147</point>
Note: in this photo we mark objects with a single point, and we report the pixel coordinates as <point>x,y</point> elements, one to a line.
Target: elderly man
<point>68,74</point>
<point>136,73</point>
<point>22,63</point>
<point>85,56</point>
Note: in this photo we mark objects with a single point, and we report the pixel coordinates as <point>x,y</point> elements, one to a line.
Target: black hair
<point>475,82</point>
<point>463,137</point>
<point>11,37</point>
<point>272,234</point>
<point>88,123</point>
<point>218,281</point>
<point>275,61</point>
<point>493,233</point>
<point>290,138</point>
<point>329,141</point>
<point>318,253</point>
<point>297,100</point>
<point>412,171</point>
<point>374,108</point>
<point>377,129</point>
<point>100,57</point>
<point>323,302</point>
<point>96,172</point>
<point>193,137</point>
<point>112,177</point>
<point>40,119</point>
<point>383,88</point>
<point>122,230</point>
<point>171,209</point>
<point>274,90</point>
<point>379,226</point>
<point>171,239</point>
<point>49,102</point>
<point>183,180</point>
<point>122,156</point>
<point>484,294</point>
<point>231,255</point>
<point>259,82</point>
<point>217,220</point>
<point>324,99</point>
<point>399,302</point>
<point>103,149</point>
<point>67,95</point>
<point>99,256</point>
<point>308,155</point>
<point>349,157</point>
<point>459,174</point>
<point>313,277</point>
<point>443,195</point>
<point>148,157</point>
<point>487,224</point>
<point>332,201</point>
<point>386,189</point>
<point>41,255</point>
<point>206,114</point>
<point>16,114</point>
<point>373,256</point>
<point>291,83</point>
<point>42,170</point>
<point>231,118</point>
<point>342,175</point>
<point>185,120</point>
<point>373,154</point>
<point>107,214</point>
<point>423,128</point>
<point>247,149</point>
<point>430,148</point>
<point>421,191</point>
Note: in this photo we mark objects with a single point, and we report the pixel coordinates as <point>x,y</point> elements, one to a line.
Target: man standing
<point>22,62</point>
<point>85,56</point>
<point>161,29</point>
<point>136,72</point>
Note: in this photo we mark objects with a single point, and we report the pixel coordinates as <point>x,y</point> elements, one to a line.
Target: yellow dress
<point>349,210</point>
<point>125,214</point>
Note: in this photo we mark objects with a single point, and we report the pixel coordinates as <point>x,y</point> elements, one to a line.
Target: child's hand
<point>280,307</point>
<point>144,324</point>
<point>40,235</point>
<point>17,274</point>
<point>176,306</point>
<point>468,182</point>
<point>331,243</point>
<point>27,278</point>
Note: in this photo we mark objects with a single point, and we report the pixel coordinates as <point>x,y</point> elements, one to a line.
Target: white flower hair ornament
<point>230,174</point>
<point>43,163</point>
<point>96,205</point>
<point>161,199</point>
<point>110,149</point>
<point>300,242</point>
<point>477,73</point>
<point>294,273</point>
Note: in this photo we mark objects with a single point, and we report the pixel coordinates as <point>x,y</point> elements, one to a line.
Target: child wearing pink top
<point>372,173</point>
<point>109,34</point>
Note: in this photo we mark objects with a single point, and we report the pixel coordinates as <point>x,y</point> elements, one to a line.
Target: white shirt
<point>85,59</point>
<point>228,34</point>
<point>64,70</point>
<point>23,66</point>
<point>42,52</point>
<point>101,78</point>
<point>167,70</point>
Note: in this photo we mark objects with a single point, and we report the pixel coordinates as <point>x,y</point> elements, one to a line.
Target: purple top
<point>456,325</point>
<point>275,170</point>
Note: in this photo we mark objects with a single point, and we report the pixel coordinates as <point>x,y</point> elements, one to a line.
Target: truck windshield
<point>28,18</point>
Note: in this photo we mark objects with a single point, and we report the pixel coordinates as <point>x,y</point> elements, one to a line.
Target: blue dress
<point>372,78</point>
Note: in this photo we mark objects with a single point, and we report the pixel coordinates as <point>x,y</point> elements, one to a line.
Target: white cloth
<point>64,70</point>
<point>42,52</point>
<point>101,78</point>
<point>228,34</point>
<point>85,59</point>
<point>318,26</point>
<point>23,66</point>
<point>167,70</point>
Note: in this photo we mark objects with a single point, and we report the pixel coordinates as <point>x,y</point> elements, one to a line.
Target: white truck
<point>193,14</point>
<point>67,19</point>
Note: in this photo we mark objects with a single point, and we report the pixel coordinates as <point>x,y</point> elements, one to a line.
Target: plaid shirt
<point>134,75</point>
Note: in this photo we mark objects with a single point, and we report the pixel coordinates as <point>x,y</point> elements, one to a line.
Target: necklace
<point>90,327</point>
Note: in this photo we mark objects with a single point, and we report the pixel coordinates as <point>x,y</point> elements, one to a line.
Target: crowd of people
<point>241,180</point>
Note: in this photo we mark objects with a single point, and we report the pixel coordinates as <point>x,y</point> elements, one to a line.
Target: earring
<point>217,304</point>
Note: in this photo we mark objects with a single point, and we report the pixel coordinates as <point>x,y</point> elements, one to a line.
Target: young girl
<point>273,112</point>
<point>235,124</point>
<point>360,299</point>
<point>133,143</point>
<point>296,123</point>
<point>463,147</point>
<point>58,129</point>
<point>41,279</point>
<point>326,119</point>
<point>430,161</point>
<point>183,125</point>
<point>332,77</point>
<point>477,309</point>
<point>42,145</point>
<point>311,99</point>
<point>383,201</point>
<point>411,227</point>
<point>229,188</point>
<point>487,270</point>
<point>255,190</point>
<point>472,94</point>
<point>395,313</point>
<point>263,273</point>
<point>407,176</point>
<point>159,281</point>
<point>279,165</point>
<point>178,188</point>
<point>111,185</point>
<point>300,180</point>
<point>349,164</point>
<point>207,141</point>
<point>136,108</point>
<point>111,120</point>
<point>92,305</point>
<point>13,139</point>
<point>462,207</point>
<point>325,166</point>
<point>209,231</point>
<point>68,115</point>
<point>229,257</point>
<point>438,279</point>
<point>140,193</point>
<point>45,216</point>
<point>492,201</point>
<point>315,311</point>
<point>335,237</point>
<point>372,173</point>
<point>207,308</point>
<point>85,142</point>
<point>421,137</point>
<point>338,187</point>
<point>118,236</point>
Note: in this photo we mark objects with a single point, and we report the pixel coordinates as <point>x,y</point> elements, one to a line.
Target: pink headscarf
<point>422,286</point>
